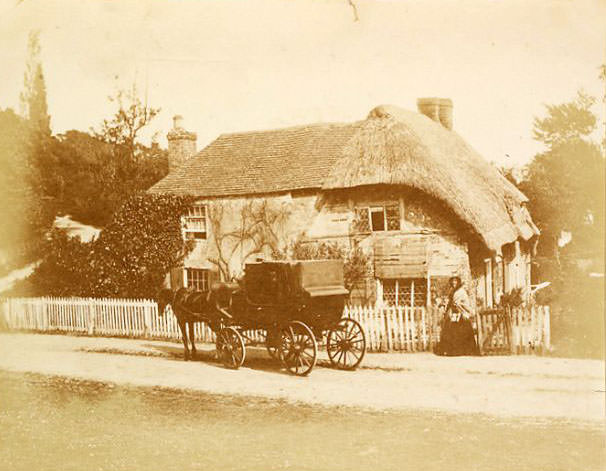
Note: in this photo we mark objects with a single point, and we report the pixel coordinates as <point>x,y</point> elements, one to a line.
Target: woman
<point>457,337</point>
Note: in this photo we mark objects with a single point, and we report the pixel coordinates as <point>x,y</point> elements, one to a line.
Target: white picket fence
<point>401,328</point>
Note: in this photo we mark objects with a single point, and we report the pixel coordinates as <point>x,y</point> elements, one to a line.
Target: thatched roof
<point>392,146</point>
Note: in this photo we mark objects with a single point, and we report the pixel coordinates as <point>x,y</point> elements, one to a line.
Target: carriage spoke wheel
<point>298,349</point>
<point>346,344</point>
<point>230,348</point>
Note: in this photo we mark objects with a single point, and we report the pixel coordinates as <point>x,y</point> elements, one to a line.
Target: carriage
<point>296,306</point>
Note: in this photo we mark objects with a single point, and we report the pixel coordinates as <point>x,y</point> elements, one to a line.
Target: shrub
<point>129,259</point>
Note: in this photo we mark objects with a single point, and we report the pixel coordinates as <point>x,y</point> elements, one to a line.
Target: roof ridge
<point>287,128</point>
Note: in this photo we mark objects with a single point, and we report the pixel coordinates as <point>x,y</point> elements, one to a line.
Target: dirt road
<point>547,388</point>
<point>53,423</point>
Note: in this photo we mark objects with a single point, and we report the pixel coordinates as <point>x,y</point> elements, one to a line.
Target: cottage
<point>401,186</point>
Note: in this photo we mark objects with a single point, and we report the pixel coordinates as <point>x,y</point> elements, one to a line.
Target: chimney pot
<point>437,109</point>
<point>177,121</point>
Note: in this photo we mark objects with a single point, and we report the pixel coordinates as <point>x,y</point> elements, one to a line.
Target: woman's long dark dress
<point>457,337</point>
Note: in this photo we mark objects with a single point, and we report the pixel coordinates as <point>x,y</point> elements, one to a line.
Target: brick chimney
<point>181,144</point>
<point>438,109</point>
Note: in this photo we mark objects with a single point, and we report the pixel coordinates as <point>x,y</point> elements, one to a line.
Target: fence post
<point>424,328</point>
<point>546,328</point>
<point>387,339</point>
<point>90,319</point>
<point>146,319</point>
<point>429,310</point>
<point>479,330</point>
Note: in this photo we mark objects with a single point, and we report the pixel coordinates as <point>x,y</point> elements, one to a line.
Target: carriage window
<point>195,223</point>
<point>197,279</point>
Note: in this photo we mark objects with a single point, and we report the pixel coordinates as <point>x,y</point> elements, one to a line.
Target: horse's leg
<point>183,328</point>
<point>192,338</point>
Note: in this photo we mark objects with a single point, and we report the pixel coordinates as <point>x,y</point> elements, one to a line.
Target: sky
<point>230,65</point>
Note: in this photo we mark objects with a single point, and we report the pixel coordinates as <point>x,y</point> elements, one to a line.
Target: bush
<point>356,263</point>
<point>129,259</point>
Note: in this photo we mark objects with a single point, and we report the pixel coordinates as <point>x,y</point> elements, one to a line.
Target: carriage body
<point>272,294</point>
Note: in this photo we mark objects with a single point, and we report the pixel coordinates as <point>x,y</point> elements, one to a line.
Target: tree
<point>123,128</point>
<point>19,211</point>
<point>91,176</point>
<point>565,186</point>
<point>566,122</point>
<point>33,96</point>
<point>129,259</point>
<point>90,179</point>
<point>27,211</point>
<point>565,183</point>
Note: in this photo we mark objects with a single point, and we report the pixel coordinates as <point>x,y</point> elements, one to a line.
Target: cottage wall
<point>235,235</point>
<point>429,240</point>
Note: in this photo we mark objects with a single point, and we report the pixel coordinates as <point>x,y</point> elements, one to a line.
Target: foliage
<point>90,179</point>
<point>356,263</point>
<point>566,122</point>
<point>123,128</point>
<point>24,213</point>
<point>25,209</point>
<point>565,184</point>
<point>33,96</point>
<point>577,312</point>
<point>129,259</point>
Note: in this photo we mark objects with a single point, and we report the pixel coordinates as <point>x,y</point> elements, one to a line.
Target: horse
<point>190,307</point>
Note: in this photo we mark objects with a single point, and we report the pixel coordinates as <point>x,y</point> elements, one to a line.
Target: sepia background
<point>528,83</point>
<point>232,66</point>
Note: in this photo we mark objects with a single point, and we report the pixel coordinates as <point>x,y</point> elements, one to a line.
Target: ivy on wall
<point>356,263</point>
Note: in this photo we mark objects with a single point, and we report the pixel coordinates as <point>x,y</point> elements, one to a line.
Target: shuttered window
<point>377,218</point>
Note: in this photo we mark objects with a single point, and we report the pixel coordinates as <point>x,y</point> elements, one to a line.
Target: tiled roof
<point>261,162</point>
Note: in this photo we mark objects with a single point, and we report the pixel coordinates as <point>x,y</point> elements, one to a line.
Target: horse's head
<point>164,298</point>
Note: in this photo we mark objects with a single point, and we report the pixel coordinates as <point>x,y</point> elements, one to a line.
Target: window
<point>405,292</point>
<point>197,279</point>
<point>377,218</point>
<point>195,223</point>
<point>360,223</point>
<point>392,215</point>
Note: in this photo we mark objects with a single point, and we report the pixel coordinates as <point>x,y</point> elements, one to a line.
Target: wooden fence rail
<point>407,329</point>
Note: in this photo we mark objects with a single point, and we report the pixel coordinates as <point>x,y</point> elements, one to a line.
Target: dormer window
<point>195,223</point>
<point>378,218</point>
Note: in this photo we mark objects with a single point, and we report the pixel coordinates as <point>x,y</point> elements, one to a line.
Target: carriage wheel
<point>271,343</point>
<point>298,349</point>
<point>346,344</point>
<point>230,348</point>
